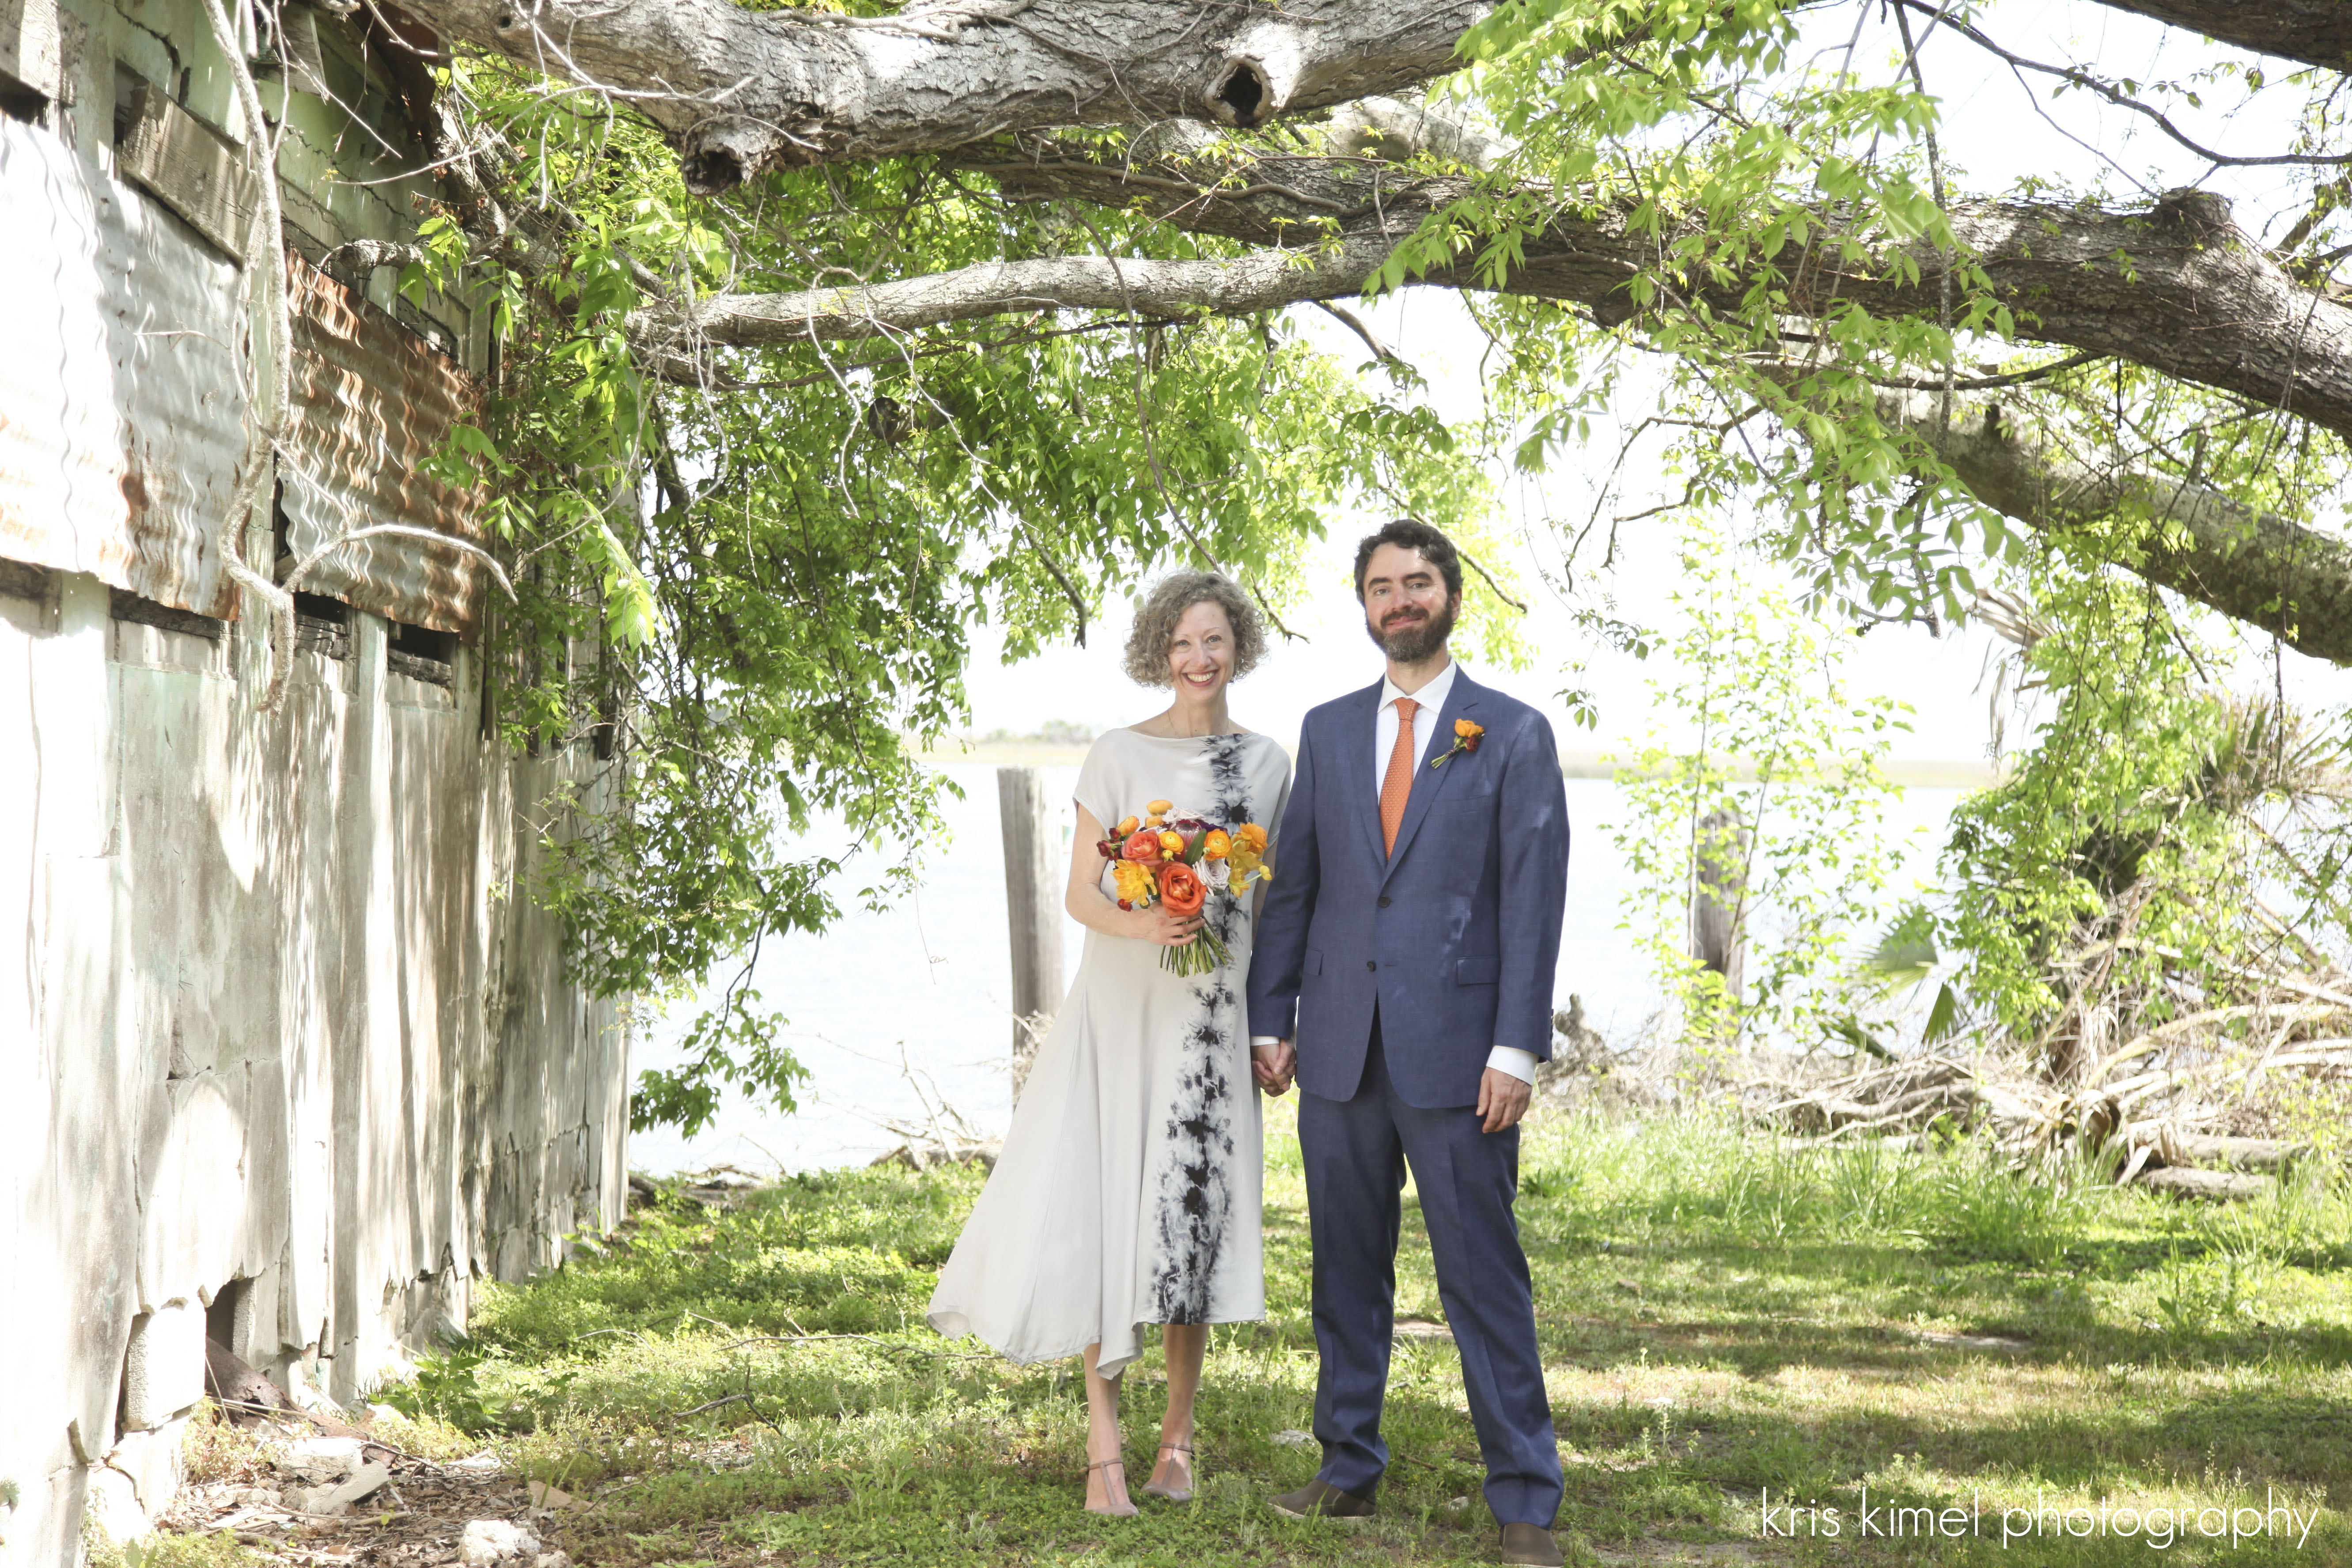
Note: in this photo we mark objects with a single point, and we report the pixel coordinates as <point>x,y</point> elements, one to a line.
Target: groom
<point>1407,948</point>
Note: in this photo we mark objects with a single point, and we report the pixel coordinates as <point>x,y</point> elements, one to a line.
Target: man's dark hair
<point>1410,534</point>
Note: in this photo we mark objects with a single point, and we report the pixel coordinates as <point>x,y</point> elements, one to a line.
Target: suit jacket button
<point>1371,964</point>
<point>1384,903</point>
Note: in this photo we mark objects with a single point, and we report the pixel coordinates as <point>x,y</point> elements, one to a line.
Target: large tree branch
<point>1262,280</point>
<point>2255,567</point>
<point>739,91</point>
<point>2316,32</point>
<point>2179,289</point>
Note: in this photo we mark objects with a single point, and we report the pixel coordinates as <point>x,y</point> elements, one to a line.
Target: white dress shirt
<point>1521,1064</point>
<point>1431,698</point>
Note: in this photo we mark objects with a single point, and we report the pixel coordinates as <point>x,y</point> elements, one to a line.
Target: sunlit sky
<point>1998,135</point>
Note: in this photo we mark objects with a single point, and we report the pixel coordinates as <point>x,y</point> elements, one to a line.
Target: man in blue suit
<point>1403,971</point>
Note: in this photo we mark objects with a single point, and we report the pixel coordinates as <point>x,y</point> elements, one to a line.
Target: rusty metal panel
<point>123,346</point>
<point>371,403</point>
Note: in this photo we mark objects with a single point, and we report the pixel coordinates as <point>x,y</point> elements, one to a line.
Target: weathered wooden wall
<point>290,1053</point>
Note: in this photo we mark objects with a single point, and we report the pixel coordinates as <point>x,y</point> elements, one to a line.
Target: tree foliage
<point>1761,788</point>
<point>756,592</point>
<point>756,533</point>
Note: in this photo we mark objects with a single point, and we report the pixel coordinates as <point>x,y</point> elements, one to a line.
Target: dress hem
<point>966,1331</point>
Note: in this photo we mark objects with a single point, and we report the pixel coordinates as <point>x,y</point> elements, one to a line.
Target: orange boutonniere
<point>1467,736</point>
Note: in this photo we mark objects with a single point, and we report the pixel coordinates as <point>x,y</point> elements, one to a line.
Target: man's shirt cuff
<point>1258,1040</point>
<point>1519,1063</point>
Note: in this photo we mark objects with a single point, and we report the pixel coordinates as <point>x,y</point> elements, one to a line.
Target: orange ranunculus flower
<point>1251,833</point>
<point>1127,824</point>
<point>1142,846</point>
<point>1181,889</point>
<point>1216,843</point>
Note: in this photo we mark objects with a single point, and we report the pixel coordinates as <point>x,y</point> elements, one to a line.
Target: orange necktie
<point>1397,788</point>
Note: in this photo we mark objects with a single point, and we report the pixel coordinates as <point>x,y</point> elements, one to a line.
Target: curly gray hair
<point>1155,623</point>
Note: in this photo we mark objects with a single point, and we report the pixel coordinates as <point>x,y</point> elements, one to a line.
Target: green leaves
<point>749,586</point>
<point>732,1045</point>
<point>1765,799</point>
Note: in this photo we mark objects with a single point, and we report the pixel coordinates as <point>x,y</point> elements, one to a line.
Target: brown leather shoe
<point>1318,1498</point>
<point>1530,1543</point>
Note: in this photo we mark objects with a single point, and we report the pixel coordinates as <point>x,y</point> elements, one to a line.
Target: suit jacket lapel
<point>1427,781</point>
<point>1364,734</point>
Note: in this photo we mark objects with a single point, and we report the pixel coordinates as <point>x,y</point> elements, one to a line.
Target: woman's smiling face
<point>1200,651</point>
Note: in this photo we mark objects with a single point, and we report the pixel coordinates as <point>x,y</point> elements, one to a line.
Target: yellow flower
<point>1160,807</point>
<point>1127,827</point>
<point>1134,880</point>
<point>1171,842</point>
<point>1251,833</point>
<point>1216,843</point>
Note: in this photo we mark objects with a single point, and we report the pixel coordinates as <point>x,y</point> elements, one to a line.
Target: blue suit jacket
<point>1454,938</point>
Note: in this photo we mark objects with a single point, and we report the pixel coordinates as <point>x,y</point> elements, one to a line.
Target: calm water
<point>897,1012</point>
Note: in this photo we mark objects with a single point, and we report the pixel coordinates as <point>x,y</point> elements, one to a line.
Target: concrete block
<point>254,1332</point>
<point>334,1501</point>
<point>318,1461</point>
<point>491,1541</point>
<point>191,1232</point>
<point>269,1173</point>
<point>154,1463</point>
<point>112,1505</point>
<point>164,1375</point>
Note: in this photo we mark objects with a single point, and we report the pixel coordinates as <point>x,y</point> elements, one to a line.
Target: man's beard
<point>1413,643</point>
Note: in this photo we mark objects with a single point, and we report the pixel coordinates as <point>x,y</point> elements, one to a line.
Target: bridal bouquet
<point>1181,863</point>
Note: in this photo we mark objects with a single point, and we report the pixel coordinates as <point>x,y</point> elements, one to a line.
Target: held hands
<point>1502,1099</point>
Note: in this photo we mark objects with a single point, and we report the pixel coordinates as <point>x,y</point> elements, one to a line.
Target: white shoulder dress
<point>1129,1189</point>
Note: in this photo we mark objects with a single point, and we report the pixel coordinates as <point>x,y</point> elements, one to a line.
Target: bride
<point>1129,1189</point>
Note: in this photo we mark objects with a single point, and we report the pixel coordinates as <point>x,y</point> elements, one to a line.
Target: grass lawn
<point>1729,1326</point>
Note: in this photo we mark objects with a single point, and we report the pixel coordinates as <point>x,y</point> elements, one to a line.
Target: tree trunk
<point>739,91</point>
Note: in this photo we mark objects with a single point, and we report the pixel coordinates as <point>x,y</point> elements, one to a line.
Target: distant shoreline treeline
<point>1059,742</point>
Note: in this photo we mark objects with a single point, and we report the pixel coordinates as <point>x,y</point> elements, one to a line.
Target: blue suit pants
<point>1356,1151</point>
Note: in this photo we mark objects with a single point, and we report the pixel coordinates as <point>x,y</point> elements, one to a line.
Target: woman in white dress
<point>1129,1189</point>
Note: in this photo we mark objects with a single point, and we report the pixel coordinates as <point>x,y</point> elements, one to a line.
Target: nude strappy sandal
<point>1171,1494</point>
<point>1130,1511</point>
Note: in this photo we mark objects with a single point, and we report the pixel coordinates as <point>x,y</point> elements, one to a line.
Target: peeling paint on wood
<point>195,170</point>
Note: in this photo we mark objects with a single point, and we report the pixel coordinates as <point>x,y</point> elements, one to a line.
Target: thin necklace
<point>1180,736</point>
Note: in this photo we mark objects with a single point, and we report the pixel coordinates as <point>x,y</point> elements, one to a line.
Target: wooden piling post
<point>1719,895</point>
<point>1034,905</point>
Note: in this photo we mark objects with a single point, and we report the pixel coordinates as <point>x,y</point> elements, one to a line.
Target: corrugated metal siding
<point>371,403</point>
<point>122,403</point>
